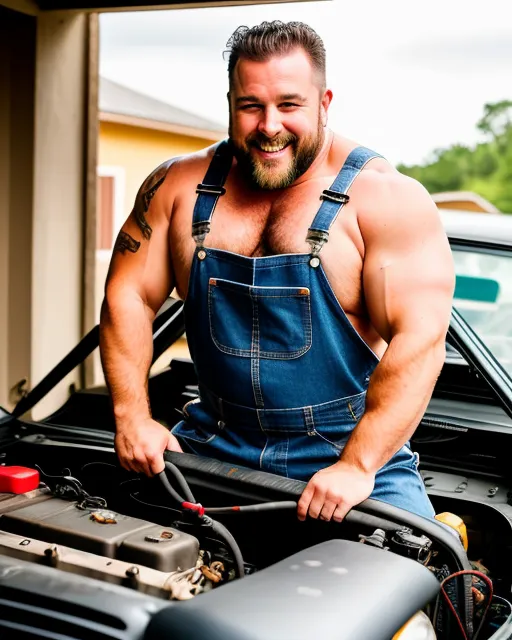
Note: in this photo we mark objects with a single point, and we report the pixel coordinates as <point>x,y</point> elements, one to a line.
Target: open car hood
<point>467,343</point>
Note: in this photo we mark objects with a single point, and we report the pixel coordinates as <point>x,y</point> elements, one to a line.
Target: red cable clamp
<point>193,506</point>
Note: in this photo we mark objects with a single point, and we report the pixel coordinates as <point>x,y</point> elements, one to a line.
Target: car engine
<point>100,543</point>
<point>51,522</point>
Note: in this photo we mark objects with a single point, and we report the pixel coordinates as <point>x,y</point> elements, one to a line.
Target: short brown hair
<point>269,39</point>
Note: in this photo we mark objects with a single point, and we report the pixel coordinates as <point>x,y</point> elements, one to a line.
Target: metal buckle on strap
<point>200,231</point>
<point>334,196</point>
<point>211,189</point>
<point>316,240</point>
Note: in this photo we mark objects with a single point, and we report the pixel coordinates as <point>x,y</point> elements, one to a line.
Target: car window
<point>483,296</point>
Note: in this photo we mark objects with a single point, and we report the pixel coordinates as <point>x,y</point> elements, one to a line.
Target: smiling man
<point>317,297</point>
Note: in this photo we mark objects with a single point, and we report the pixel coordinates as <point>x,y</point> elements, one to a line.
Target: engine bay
<point>95,520</point>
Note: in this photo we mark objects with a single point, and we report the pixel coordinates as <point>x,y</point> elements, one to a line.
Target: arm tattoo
<point>126,243</point>
<point>148,189</point>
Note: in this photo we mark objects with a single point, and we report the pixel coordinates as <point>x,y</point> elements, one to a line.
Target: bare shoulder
<point>380,187</point>
<point>190,166</point>
<point>175,173</point>
<point>196,160</point>
<point>389,202</point>
<point>156,197</point>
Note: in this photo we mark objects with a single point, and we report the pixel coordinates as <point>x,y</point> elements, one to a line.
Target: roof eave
<point>155,125</point>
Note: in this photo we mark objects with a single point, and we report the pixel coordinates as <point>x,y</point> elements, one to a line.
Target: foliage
<point>485,169</point>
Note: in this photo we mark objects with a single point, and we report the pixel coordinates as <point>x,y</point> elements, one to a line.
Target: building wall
<point>138,151</point>
<point>17,80</point>
<point>130,154</point>
<point>59,197</point>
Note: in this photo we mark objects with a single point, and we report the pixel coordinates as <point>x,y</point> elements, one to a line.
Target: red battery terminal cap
<point>18,479</point>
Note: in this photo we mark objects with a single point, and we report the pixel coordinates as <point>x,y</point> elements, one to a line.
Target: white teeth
<point>272,148</point>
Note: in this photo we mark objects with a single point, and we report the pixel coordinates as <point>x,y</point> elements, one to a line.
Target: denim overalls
<point>282,373</point>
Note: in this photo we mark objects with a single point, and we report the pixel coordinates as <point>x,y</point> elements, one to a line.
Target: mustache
<point>258,139</point>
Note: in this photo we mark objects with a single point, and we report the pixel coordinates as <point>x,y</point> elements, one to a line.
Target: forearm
<point>399,391</point>
<point>126,349</point>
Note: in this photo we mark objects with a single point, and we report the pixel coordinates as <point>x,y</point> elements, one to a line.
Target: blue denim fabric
<point>282,372</point>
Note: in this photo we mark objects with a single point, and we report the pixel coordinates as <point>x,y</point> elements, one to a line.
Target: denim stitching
<point>259,291</point>
<point>357,171</point>
<point>187,437</point>
<point>244,353</point>
<point>209,252</point>
<point>349,324</point>
<point>282,458</point>
<point>269,355</point>
<point>255,360</point>
<point>281,260</point>
<point>338,447</point>
<point>263,453</point>
<point>310,422</point>
<point>260,414</point>
<point>355,397</point>
<point>277,430</point>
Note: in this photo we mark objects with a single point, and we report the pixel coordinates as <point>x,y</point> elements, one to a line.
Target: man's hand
<point>140,446</point>
<point>333,491</point>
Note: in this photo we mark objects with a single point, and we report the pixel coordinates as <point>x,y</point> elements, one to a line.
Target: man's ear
<point>324,106</point>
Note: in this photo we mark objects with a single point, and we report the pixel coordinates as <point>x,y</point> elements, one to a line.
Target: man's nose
<point>270,124</point>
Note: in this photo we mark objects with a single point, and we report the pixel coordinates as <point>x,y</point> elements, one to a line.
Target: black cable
<point>226,536</point>
<point>104,464</point>
<point>133,496</point>
<point>189,496</point>
<point>216,526</point>
<point>180,479</point>
<point>169,488</point>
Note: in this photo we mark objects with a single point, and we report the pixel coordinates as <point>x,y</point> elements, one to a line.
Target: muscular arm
<point>408,282</point>
<point>139,280</point>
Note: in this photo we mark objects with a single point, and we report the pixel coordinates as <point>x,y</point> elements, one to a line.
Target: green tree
<point>485,169</point>
<point>497,119</point>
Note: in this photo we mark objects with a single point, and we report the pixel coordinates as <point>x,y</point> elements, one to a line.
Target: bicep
<point>141,262</point>
<point>408,274</point>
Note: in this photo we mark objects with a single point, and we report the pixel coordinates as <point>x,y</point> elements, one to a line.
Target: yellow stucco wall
<point>139,151</point>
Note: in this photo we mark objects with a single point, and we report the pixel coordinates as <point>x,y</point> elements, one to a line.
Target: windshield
<point>483,296</point>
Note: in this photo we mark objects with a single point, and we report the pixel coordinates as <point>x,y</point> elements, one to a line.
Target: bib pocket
<point>259,322</point>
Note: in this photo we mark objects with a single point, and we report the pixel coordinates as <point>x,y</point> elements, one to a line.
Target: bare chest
<point>256,229</point>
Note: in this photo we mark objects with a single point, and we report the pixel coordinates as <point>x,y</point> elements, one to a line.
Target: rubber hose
<point>226,536</point>
<point>169,488</point>
<point>180,479</point>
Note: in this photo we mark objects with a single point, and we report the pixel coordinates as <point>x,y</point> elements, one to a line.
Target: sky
<point>408,76</point>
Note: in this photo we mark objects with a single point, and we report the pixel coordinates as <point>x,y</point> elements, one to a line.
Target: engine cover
<point>104,533</point>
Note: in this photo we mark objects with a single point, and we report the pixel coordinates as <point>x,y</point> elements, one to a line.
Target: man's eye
<point>289,105</point>
<point>249,107</point>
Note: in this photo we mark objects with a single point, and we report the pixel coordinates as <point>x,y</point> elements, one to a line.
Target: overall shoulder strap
<point>209,191</point>
<point>336,197</point>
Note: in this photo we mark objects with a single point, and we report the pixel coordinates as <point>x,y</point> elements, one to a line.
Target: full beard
<point>266,174</point>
